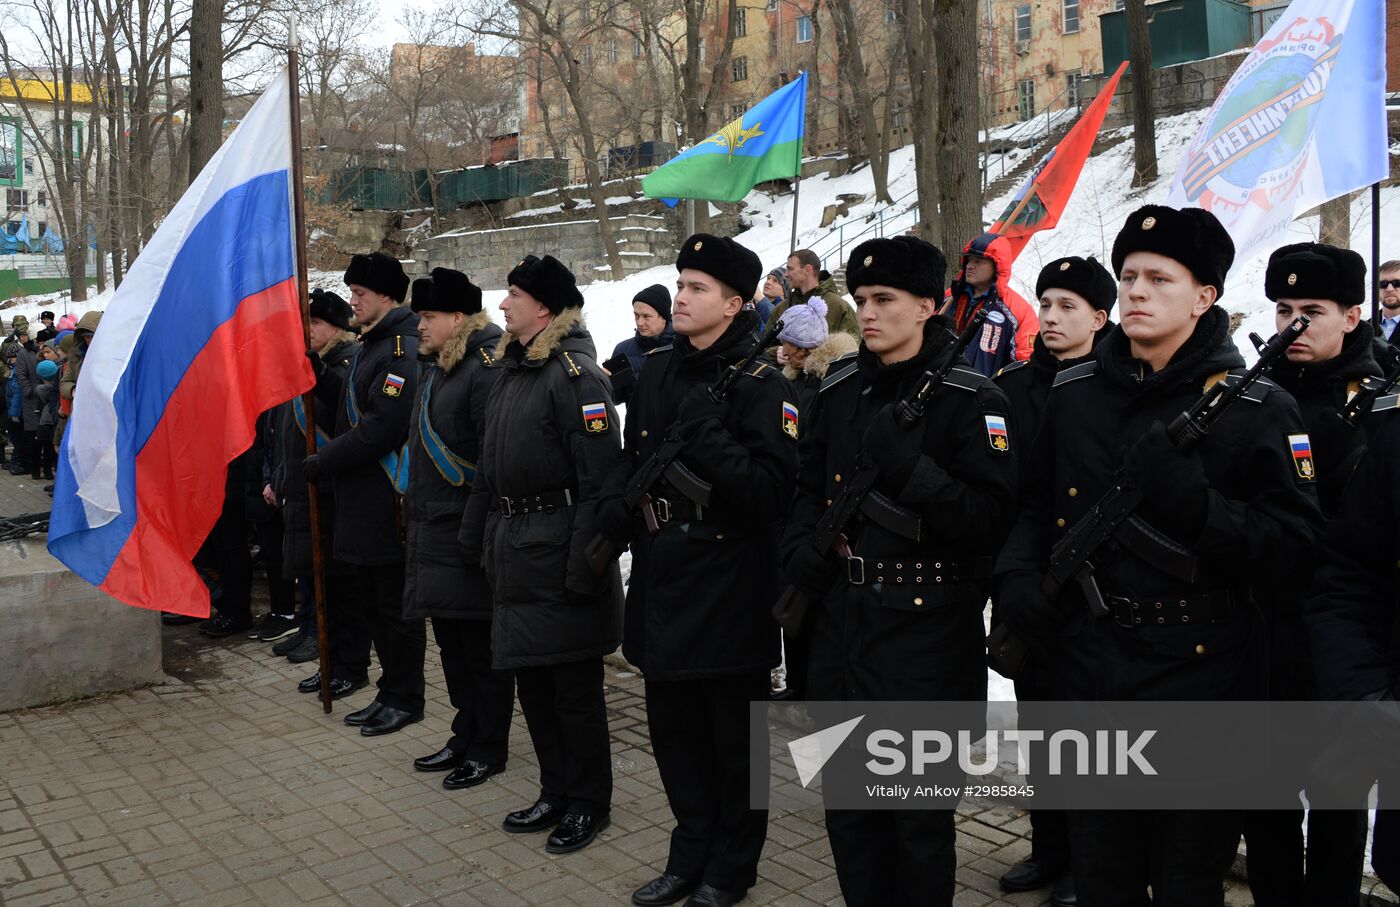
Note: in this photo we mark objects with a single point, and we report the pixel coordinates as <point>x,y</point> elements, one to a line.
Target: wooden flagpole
<point>318,571</point>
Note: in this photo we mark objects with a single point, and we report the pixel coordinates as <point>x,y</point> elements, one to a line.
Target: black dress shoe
<point>575,832</point>
<point>469,774</point>
<point>1062,895</point>
<point>443,760</point>
<point>342,688</point>
<point>666,889</point>
<point>387,720</point>
<point>710,896</point>
<point>1028,875</point>
<point>538,817</point>
<point>171,619</point>
<point>310,684</point>
<point>355,719</point>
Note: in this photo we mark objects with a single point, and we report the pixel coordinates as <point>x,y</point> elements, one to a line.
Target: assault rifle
<point>1359,406</point>
<point>663,463</point>
<point>858,496</point>
<point>1113,517</point>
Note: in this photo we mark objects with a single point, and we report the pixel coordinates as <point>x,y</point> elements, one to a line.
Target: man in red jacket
<point>984,282</point>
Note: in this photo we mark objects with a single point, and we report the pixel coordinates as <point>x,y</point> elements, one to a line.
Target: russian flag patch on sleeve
<point>1301,448</point>
<point>790,419</point>
<point>997,437</point>
<point>595,417</point>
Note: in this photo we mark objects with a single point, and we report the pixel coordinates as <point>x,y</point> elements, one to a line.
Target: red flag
<point>1040,201</point>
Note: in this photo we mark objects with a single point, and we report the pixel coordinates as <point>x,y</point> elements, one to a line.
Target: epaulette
<point>1257,392</point>
<point>570,365</point>
<point>1019,363</point>
<point>1074,373</point>
<point>835,376</point>
<point>487,359</point>
<point>398,346</point>
<point>664,348</point>
<point>761,370</point>
<point>964,379</point>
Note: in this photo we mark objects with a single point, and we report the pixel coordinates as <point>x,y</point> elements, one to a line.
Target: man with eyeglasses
<point>1390,304</point>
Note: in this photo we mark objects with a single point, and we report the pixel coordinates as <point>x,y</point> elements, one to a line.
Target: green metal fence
<point>379,188</point>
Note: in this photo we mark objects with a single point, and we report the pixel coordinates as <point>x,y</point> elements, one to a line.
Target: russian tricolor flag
<point>203,335</point>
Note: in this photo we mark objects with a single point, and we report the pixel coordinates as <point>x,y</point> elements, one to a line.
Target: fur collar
<point>546,341</point>
<point>455,350</point>
<point>819,360</point>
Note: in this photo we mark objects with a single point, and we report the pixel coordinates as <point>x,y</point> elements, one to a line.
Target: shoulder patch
<point>486,356</point>
<point>964,379</point>
<point>836,376</point>
<point>571,367</point>
<point>398,346</point>
<point>761,370</point>
<point>393,385</point>
<point>595,417</point>
<point>1011,367</point>
<point>790,419</point>
<point>1074,373</point>
<point>1300,448</point>
<point>665,348</point>
<point>998,440</point>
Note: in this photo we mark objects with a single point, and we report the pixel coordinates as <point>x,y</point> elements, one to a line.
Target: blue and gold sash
<point>300,412</point>
<point>455,470</point>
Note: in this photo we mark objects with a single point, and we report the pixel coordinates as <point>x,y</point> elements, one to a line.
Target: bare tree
<point>1335,217</point>
<point>60,32</point>
<point>960,193</point>
<point>920,25</point>
<point>866,129</point>
<point>1144,117</point>
<point>206,129</point>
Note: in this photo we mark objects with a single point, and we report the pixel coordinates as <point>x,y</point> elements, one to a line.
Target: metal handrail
<point>876,219</point>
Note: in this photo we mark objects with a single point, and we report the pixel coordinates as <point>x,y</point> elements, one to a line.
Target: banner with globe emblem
<point>1301,121</point>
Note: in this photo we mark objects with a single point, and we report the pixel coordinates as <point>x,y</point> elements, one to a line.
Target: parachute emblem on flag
<point>733,135</point>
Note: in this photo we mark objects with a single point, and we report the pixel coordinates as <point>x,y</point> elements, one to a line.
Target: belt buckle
<point>1122,610</point>
<point>506,510</point>
<point>662,508</point>
<point>855,570</point>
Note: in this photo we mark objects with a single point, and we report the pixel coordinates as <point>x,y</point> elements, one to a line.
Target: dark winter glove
<point>318,365</point>
<point>812,572</point>
<point>893,450</point>
<point>697,407</point>
<point>1173,482</point>
<point>311,466</point>
<point>614,523</point>
<point>1026,611</point>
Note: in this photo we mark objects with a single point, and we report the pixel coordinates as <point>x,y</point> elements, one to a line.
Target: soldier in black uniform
<point>902,620</point>
<point>1353,610</point>
<point>1239,497</point>
<point>698,621</point>
<point>444,441</point>
<point>551,439</point>
<point>1076,294</point>
<point>364,459</point>
<point>1326,367</point>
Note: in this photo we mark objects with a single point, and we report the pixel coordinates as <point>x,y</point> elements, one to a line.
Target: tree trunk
<point>867,128</point>
<point>1144,117</point>
<point>1336,222</point>
<point>922,56</point>
<point>960,196</point>
<point>206,129</point>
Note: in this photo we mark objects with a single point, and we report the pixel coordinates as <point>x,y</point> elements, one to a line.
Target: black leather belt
<point>887,571</point>
<point>533,503</point>
<point>1212,607</point>
<point>677,510</point>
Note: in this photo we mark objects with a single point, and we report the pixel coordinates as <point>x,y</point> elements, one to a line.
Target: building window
<point>736,111</point>
<point>739,69</point>
<point>43,227</point>
<point>1023,24</point>
<point>43,199</point>
<point>897,118</point>
<point>1071,16</point>
<point>11,152</point>
<point>16,199</point>
<point>1073,80</point>
<point>773,42</point>
<point>1025,98</point>
<point>804,29</point>
<point>891,13</point>
<point>772,6</point>
<point>702,50</point>
<point>612,52</point>
<point>741,22</point>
